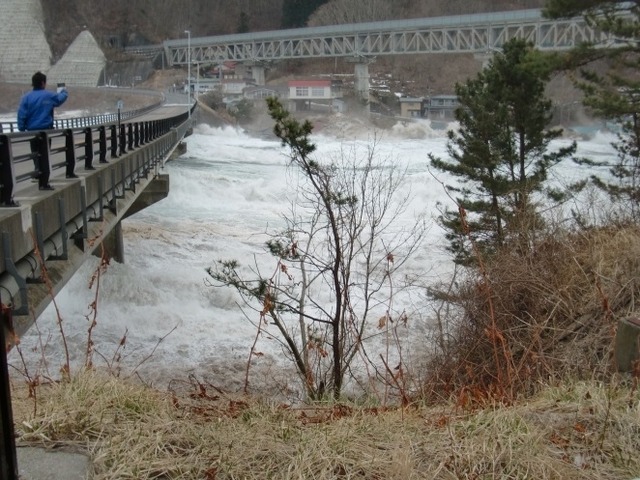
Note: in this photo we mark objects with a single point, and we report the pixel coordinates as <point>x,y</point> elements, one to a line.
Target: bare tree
<point>335,260</point>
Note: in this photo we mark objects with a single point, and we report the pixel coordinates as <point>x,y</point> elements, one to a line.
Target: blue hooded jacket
<point>36,109</point>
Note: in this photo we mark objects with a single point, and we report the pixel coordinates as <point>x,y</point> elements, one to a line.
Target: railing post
<point>136,135</point>
<point>69,152</point>
<point>114,141</point>
<point>40,148</point>
<point>7,178</point>
<point>8,457</point>
<point>88,149</point>
<point>143,138</point>
<point>130,136</point>
<point>103,144</point>
<point>123,139</point>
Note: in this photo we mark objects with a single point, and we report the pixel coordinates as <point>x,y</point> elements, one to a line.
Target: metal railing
<point>79,140</point>
<point>78,122</point>
<point>133,150</point>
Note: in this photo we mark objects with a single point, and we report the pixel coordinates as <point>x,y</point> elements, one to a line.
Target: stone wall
<point>23,46</point>
<point>24,49</point>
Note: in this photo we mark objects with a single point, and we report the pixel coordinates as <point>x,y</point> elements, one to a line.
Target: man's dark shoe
<point>11,203</point>
<point>89,168</point>
<point>73,175</point>
<point>47,187</point>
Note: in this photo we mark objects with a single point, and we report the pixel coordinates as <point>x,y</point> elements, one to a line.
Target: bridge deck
<point>476,33</point>
<point>26,191</point>
<point>61,227</point>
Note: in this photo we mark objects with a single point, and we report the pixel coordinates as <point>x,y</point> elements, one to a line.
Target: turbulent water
<point>227,192</point>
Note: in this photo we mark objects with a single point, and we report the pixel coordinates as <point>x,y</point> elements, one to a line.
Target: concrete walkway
<point>47,464</point>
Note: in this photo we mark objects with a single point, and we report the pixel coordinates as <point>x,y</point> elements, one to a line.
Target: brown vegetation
<point>547,316</point>
<point>522,386</point>
<point>574,430</point>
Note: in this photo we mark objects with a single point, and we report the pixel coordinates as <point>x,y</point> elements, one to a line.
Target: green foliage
<point>290,131</point>
<point>212,99</point>
<point>243,23</point>
<point>295,13</point>
<point>243,110</point>
<point>570,8</point>
<point>499,154</point>
<point>623,183</point>
<point>614,94</point>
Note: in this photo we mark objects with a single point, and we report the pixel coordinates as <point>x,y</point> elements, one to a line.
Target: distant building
<point>224,70</point>
<point>262,92</point>
<point>319,94</point>
<point>411,107</point>
<point>233,87</point>
<point>441,107</point>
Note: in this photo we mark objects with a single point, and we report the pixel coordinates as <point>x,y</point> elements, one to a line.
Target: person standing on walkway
<point>36,113</point>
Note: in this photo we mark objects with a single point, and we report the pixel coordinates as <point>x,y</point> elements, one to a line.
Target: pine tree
<point>499,154</point>
<point>295,13</point>
<point>243,23</point>
<point>614,94</point>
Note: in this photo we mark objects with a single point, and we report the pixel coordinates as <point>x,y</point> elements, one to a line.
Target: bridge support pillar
<point>361,70</point>
<point>258,74</point>
<point>113,244</point>
<point>362,80</point>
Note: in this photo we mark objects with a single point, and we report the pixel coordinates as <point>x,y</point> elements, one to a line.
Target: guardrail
<point>50,150</point>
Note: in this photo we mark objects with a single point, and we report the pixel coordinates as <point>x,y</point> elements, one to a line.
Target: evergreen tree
<point>243,23</point>
<point>295,13</point>
<point>499,154</point>
<point>614,94</point>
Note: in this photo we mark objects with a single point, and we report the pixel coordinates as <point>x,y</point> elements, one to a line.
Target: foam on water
<point>227,191</point>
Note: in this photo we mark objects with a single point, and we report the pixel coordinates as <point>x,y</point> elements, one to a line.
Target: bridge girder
<point>484,34</point>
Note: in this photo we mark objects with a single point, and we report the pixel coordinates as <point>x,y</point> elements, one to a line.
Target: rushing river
<point>226,193</point>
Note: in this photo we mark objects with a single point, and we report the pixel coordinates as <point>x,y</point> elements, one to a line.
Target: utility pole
<point>188,32</point>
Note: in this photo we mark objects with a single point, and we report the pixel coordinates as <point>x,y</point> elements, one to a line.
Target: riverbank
<point>582,430</point>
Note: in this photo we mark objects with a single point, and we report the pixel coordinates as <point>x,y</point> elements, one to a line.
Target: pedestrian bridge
<point>103,169</point>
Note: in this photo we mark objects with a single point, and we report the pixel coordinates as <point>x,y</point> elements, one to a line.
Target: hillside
<point>120,23</point>
<point>88,101</point>
<point>152,21</point>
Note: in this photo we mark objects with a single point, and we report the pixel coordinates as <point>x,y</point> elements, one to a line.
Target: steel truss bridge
<point>476,33</point>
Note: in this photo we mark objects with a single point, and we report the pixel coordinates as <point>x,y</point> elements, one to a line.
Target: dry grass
<point>551,313</point>
<point>585,430</point>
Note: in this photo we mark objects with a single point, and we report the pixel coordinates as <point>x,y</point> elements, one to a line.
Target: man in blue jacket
<point>36,113</point>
